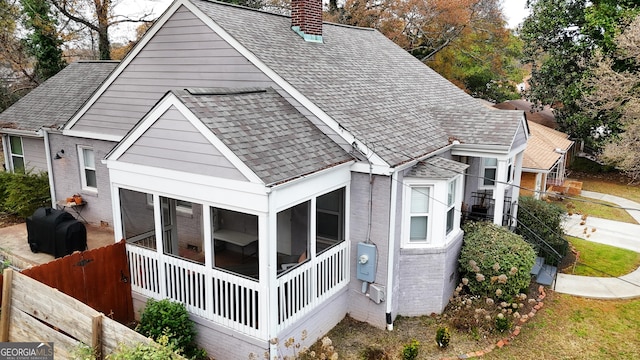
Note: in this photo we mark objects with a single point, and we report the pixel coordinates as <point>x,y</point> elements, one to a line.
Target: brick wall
<point>66,173</point>
<point>307,14</point>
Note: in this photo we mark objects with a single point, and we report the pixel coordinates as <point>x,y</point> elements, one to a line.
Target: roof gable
<point>54,102</point>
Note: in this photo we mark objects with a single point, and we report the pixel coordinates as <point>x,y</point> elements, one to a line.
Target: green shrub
<point>503,323</point>
<point>443,337</point>
<point>540,222</point>
<point>168,318</point>
<point>163,350</point>
<point>410,351</point>
<point>495,261</point>
<point>21,194</point>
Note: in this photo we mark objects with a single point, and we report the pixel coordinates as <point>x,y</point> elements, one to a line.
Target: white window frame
<point>406,237</point>
<point>452,201</point>
<point>13,155</point>
<point>483,168</point>
<point>84,168</point>
<point>180,206</point>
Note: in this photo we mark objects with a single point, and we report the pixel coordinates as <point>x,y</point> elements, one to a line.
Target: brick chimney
<point>306,19</point>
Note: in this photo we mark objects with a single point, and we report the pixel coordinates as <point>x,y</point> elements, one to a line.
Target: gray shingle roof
<point>55,101</point>
<point>373,88</point>
<point>437,168</point>
<point>265,131</point>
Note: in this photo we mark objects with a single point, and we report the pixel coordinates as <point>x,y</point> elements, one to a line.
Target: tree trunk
<point>104,45</point>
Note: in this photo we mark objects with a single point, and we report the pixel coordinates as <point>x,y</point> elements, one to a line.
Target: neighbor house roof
<point>542,116</point>
<point>373,88</point>
<point>542,149</point>
<point>265,131</point>
<point>54,102</point>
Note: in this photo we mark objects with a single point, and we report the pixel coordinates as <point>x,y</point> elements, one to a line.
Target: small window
<point>88,169</point>
<point>451,204</point>
<point>16,154</point>
<point>419,215</point>
<point>490,166</point>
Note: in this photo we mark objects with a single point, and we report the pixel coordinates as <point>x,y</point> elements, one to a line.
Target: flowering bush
<point>495,262</point>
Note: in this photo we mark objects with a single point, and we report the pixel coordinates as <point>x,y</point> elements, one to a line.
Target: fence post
<point>6,305</point>
<point>96,335</point>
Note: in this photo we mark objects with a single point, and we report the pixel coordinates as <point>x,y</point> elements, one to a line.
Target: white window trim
<point>406,226</point>
<point>83,167</point>
<point>12,154</point>
<point>457,206</point>
<point>483,167</point>
<point>179,208</point>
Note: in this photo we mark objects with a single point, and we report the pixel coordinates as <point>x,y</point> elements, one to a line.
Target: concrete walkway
<point>609,232</point>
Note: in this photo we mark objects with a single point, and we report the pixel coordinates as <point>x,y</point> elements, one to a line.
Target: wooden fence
<point>97,277</point>
<point>35,312</point>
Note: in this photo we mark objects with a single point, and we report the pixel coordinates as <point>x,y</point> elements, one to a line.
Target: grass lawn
<point>570,327</point>
<point>595,208</point>
<point>603,260</point>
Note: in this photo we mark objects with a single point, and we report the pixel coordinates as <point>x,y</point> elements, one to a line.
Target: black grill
<point>55,232</point>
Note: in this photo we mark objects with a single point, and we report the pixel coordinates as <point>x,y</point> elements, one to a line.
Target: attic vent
<point>224,91</point>
<point>306,19</point>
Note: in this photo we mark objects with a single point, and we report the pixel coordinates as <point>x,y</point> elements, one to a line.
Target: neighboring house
<point>24,126</point>
<point>542,116</point>
<point>545,160</point>
<point>276,173</point>
<point>548,151</point>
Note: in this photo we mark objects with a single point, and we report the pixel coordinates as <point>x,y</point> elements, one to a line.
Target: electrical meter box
<point>366,262</point>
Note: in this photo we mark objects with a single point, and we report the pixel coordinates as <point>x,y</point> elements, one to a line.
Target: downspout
<point>392,246</point>
<point>52,188</point>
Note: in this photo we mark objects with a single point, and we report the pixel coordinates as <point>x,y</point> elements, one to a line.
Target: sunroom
<point>247,248</point>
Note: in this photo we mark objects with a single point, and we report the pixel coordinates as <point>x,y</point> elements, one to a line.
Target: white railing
<point>308,285</point>
<point>226,299</point>
<point>234,301</point>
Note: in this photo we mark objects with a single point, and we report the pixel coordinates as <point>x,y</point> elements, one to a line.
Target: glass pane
<point>18,164</point>
<point>137,219</point>
<point>16,145</point>
<point>91,178</point>
<point>450,219</point>
<point>235,242</point>
<point>451,196</point>
<point>489,176</point>
<point>330,201</point>
<point>490,162</point>
<point>419,200</point>
<point>418,229</point>
<point>328,225</point>
<point>88,158</point>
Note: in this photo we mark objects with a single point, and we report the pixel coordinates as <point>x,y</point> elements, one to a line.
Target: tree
<point>97,16</point>
<point>561,37</point>
<point>615,99</point>
<point>465,40</point>
<point>43,42</point>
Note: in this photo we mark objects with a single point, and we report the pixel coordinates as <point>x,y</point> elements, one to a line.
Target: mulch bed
<point>9,220</point>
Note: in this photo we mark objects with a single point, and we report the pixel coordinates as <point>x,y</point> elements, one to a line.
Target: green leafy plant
<point>494,261</point>
<point>443,337</point>
<point>21,194</point>
<point>503,323</point>
<point>540,222</point>
<point>164,349</point>
<point>83,352</point>
<point>410,351</point>
<point>167,318</point>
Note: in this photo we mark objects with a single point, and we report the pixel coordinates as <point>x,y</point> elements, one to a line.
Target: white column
<point>498,193</point>
<point>515,192</point>
<point>268,258</point>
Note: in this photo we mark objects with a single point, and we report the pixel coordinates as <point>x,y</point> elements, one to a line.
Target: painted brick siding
<point>67,176</point>
<point>427,278</point>
<point>360,306</point>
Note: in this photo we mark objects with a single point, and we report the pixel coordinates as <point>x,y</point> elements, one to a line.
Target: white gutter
<point>392,246</point>
<point>27,133</point>
<point>47,150</point>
